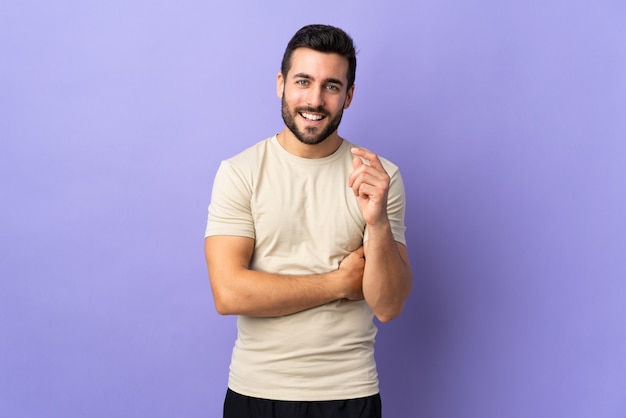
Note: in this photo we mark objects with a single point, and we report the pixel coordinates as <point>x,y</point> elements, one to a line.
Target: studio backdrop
<point>508,122</point>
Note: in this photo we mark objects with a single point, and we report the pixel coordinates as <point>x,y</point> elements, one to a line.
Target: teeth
<point>310,116</point>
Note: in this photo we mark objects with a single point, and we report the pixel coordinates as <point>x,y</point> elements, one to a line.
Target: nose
<point>315,97</point>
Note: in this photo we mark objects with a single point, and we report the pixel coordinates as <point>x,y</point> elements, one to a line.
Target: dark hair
<point>322,38</point>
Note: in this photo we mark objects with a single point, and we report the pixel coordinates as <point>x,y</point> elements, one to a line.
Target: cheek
<point>294,97</point>
<point>338,104</point>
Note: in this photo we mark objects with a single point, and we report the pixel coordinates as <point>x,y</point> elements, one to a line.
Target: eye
<point>332,87</point>
<point>302,82</point>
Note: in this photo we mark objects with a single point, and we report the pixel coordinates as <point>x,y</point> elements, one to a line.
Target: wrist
<point>380,226</point>
<point>333,284</point>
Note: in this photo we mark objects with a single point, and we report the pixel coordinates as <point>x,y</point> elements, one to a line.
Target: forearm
<point>260,294</point>
<point>387,275</point>
<point>238,290</point>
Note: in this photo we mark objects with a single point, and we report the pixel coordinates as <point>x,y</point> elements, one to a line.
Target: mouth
<point>312,117</point>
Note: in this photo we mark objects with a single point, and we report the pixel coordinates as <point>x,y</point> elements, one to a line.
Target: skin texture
<point>314,95</point>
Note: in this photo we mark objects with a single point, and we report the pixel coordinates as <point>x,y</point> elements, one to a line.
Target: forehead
<point>319,65</point>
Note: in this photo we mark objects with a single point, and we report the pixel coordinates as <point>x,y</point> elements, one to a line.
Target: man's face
<point>314,94</point>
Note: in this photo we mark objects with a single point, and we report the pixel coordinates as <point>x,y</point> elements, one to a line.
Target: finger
<point>369,192</point>
<point>363,169</point>
<point>371,157</point>
<point>356,164</point>
<point>364,174</point>
<point>358,182</point>
<point>373,181</point>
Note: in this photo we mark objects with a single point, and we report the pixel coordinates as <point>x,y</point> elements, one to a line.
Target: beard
<point>310,135</point>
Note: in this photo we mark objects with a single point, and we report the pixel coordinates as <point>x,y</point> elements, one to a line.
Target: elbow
<point>225,296</point>
<point>388,315</point>
<point>385,312</point>
<point>223,303</point>
<point>390,310</point>
<point>222,309</point>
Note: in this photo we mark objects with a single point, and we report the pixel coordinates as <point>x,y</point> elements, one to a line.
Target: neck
<point>294,146</point>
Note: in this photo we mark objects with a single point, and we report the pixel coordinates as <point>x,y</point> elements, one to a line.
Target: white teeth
<point>311,117</point>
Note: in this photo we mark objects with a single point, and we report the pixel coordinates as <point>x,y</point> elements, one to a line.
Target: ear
<point>349,95</point>
<point>280,85</point>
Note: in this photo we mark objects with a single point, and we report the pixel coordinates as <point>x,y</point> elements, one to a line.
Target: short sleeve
<point>396,208</point>
<point>230,211</point>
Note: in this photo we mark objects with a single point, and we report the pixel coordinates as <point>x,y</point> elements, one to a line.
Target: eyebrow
<point>328,80</point>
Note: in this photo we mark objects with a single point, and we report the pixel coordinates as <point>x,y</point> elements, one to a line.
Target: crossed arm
<point>237,290</point>
<point>379,272</point>
<point>387,276</point>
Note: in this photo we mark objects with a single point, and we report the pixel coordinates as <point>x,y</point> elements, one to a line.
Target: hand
<point>353,267</point>
<point>370,183</point>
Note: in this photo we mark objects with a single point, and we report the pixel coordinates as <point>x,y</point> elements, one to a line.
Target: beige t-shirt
<point>304,219</point>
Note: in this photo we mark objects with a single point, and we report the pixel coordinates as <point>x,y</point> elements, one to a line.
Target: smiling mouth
<point>313,117</point>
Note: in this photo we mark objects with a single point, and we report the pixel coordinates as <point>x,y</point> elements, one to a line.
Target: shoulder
<point>251,154</point>
<point>246,163</point>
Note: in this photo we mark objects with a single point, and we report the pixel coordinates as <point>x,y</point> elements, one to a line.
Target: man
<point>305,243</point>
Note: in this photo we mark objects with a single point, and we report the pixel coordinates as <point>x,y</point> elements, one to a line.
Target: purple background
<point>508,120</point>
